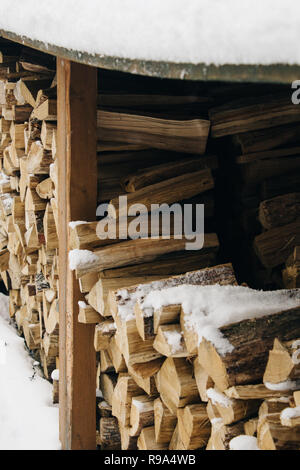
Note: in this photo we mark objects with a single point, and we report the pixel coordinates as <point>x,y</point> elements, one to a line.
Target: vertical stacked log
<point>28,199</point>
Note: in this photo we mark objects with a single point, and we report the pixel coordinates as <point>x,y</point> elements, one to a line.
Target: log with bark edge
<point>140,251</point>
<point>252,340</point>
<point>274,246</point>
<point>280,210</point>
<point>222,434</point>
<point>165,192</point>
<point>250,114</point>
<point>155,174</point>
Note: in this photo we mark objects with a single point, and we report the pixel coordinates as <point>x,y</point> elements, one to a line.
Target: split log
<point>181,136</point>
<point>176,385</point>
<point>274,246</point>
<point>164,422</point>
<point>169,341</point>
<point>107,385</point>
<point>117,356</point>
<point>283,362</point>
<point>158,173</point>
<point>222,434</point>
<point>265,139</point>
<point>103,333</point>
<point>46,111</point>
<point>280,210</point>
<point>167,265</point>
<point>124,391</point>
<point>232,410</point>
<point>144,375</point>
<point>272,435</point>
<point>141,414</point>
<point>252,340</point>
<point>203,380</point>
<point>250,114</point>
<point>139,251</point>
<point>146,440</point>
<point>165,192</point>
<point>255,392</point>
<point>109,434</point>
<point>176,442</point>
<point>193,426</point>
<point>87,314</point>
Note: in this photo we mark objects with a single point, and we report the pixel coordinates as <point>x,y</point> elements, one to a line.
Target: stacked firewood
<point>264,138</point>
<point>161,389</point>
<point>28,200</point>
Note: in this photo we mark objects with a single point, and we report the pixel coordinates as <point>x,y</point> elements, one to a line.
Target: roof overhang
<point>274,73</point>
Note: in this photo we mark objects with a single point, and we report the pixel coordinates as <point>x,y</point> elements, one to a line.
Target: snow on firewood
<point>208,308</point>
<point>82,259</point>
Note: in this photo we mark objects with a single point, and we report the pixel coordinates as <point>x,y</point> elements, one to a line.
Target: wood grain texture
<point>189,136</point>
<point>77,94</point>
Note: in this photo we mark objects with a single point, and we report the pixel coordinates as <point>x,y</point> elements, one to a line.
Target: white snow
<point>283,386</point>
<point>138,404</point>
<point>197,31</point>
<point>296,354</point>
<point>289,413</point>
<point>55,374</point>
<point>174,341</point>
<point>82,259</point>
<point>128,298</point>
<point>74,224</point>
<point>208,308</point>
<point>218,398</point>
<point>243,442</point>
<point>28,419</point>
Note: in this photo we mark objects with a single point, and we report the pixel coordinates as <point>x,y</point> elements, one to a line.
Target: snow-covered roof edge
<point>273,73</point>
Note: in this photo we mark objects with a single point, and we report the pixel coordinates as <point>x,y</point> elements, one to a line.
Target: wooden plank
<point>77,199</point>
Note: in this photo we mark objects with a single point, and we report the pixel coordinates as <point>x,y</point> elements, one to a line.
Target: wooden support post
<point>77,200</point>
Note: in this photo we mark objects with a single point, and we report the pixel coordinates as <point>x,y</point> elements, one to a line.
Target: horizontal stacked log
<point>263,139</point>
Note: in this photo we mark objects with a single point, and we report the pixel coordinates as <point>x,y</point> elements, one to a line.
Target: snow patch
<point>289,413</point>
<point>197,31</point>
<point>55,374</point>
<point>283,386</point>
<point>243,442</point>
<point>74,224</point>
<point>174,340</point>
<point>82,259</point>
<point>32,422</point>
<point>218,398</point>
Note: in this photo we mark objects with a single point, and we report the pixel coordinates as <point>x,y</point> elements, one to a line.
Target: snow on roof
<point>195,31</point>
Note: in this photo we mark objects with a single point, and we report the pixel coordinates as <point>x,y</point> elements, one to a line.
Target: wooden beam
<point>77,200</point>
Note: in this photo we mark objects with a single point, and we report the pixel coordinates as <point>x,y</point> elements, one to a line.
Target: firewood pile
<point>158,385</point>
<point>162,389</point>
<point>28,200</point>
